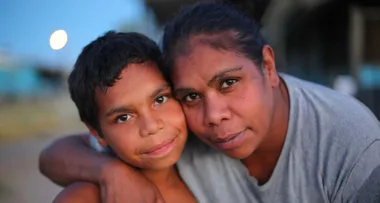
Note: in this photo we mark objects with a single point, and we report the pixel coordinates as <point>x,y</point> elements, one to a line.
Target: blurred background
<point>331,42</point>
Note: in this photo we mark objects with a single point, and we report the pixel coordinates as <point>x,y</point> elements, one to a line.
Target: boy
<point>127,105</point>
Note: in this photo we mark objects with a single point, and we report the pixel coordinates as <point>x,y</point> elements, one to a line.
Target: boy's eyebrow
<point>219,75</point>
<point>117,110</point>
<point>159,90</point>
<point>123,109</point>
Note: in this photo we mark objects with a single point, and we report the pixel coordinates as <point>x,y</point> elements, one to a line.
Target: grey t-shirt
<point>331,148</point>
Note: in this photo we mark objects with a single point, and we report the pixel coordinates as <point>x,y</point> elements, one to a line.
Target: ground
<point>27,127</point>
<point>20,180</point>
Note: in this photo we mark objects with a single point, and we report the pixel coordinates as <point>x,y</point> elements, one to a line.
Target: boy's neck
<point>163,178</point>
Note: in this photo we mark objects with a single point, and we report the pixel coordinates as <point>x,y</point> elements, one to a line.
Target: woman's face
<point>227,99</point>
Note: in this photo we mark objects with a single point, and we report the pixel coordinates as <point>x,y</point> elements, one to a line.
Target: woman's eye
<point>191,97</point>
<point>161,100</point>
<point>228,83</point>
<point>123,118</point>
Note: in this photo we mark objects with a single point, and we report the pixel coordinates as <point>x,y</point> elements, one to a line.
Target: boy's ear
<point>95,134</point>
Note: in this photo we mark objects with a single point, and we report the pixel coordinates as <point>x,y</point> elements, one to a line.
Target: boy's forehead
<point>149,67</point>
<point>136,82</point>
<point>137,74</point>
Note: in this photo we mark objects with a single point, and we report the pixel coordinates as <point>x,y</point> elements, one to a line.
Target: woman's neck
<point>275,138</point>
<point>263,160</point>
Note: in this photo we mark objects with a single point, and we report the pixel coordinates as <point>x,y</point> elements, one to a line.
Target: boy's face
<point>140,120</point>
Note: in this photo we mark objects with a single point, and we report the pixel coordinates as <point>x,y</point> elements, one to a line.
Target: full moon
<point>58,39</point>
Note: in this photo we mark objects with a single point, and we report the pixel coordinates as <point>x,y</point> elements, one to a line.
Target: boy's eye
<point>160,100</point>
<point>191,97</point>
<point>228,83</point>
<point>123,118</point>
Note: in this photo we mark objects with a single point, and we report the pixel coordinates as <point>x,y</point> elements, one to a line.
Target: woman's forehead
<point>205,57</point>
<point>223,40</point>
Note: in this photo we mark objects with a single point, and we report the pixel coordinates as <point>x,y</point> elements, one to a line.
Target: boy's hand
<point>123,184</point>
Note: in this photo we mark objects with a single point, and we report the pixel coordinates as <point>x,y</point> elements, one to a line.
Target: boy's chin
<point>154,163</point>
<point>160,165</point>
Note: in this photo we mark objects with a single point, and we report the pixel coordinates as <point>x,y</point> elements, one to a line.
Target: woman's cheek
<point>193,118</point>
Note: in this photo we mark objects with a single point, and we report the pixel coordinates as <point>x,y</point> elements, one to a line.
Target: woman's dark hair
<point>100,64</point>
<point>218,25</point>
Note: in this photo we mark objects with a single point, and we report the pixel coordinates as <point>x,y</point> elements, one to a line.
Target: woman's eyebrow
<point>186,90</point>
<point>182,91</point>
<point>221,74</point>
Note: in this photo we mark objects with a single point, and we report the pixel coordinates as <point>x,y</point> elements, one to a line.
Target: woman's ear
<point>270,66</point>
<point>96,135</point>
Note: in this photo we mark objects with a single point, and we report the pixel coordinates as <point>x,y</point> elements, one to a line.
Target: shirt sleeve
<point>369,192</point>
<point>94,144</point>
<point>361,176</point>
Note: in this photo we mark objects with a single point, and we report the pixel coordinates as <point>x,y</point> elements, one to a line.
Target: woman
<point>289,140</point>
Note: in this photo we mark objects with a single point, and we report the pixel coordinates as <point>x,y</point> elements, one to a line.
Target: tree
<point>146,25</point>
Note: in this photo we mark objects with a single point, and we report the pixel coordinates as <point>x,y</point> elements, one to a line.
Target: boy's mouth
<point>161,149</point>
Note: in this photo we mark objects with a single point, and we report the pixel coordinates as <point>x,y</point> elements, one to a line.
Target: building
<point>21,79</point>
<point>318,40</point>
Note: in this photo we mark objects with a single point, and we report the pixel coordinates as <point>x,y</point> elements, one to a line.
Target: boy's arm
<point>70,160</point>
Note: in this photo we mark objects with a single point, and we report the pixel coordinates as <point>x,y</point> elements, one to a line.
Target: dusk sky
<point>26,26</point>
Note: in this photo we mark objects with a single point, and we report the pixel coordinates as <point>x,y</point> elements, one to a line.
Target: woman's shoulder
<point>195,147</point>
<point>197,153</point>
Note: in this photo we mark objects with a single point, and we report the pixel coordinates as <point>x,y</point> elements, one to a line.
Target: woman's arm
<point>80,192</point>
<point>70,160</point>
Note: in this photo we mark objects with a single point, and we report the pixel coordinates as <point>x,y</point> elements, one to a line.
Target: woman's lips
<point>231,141</point>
